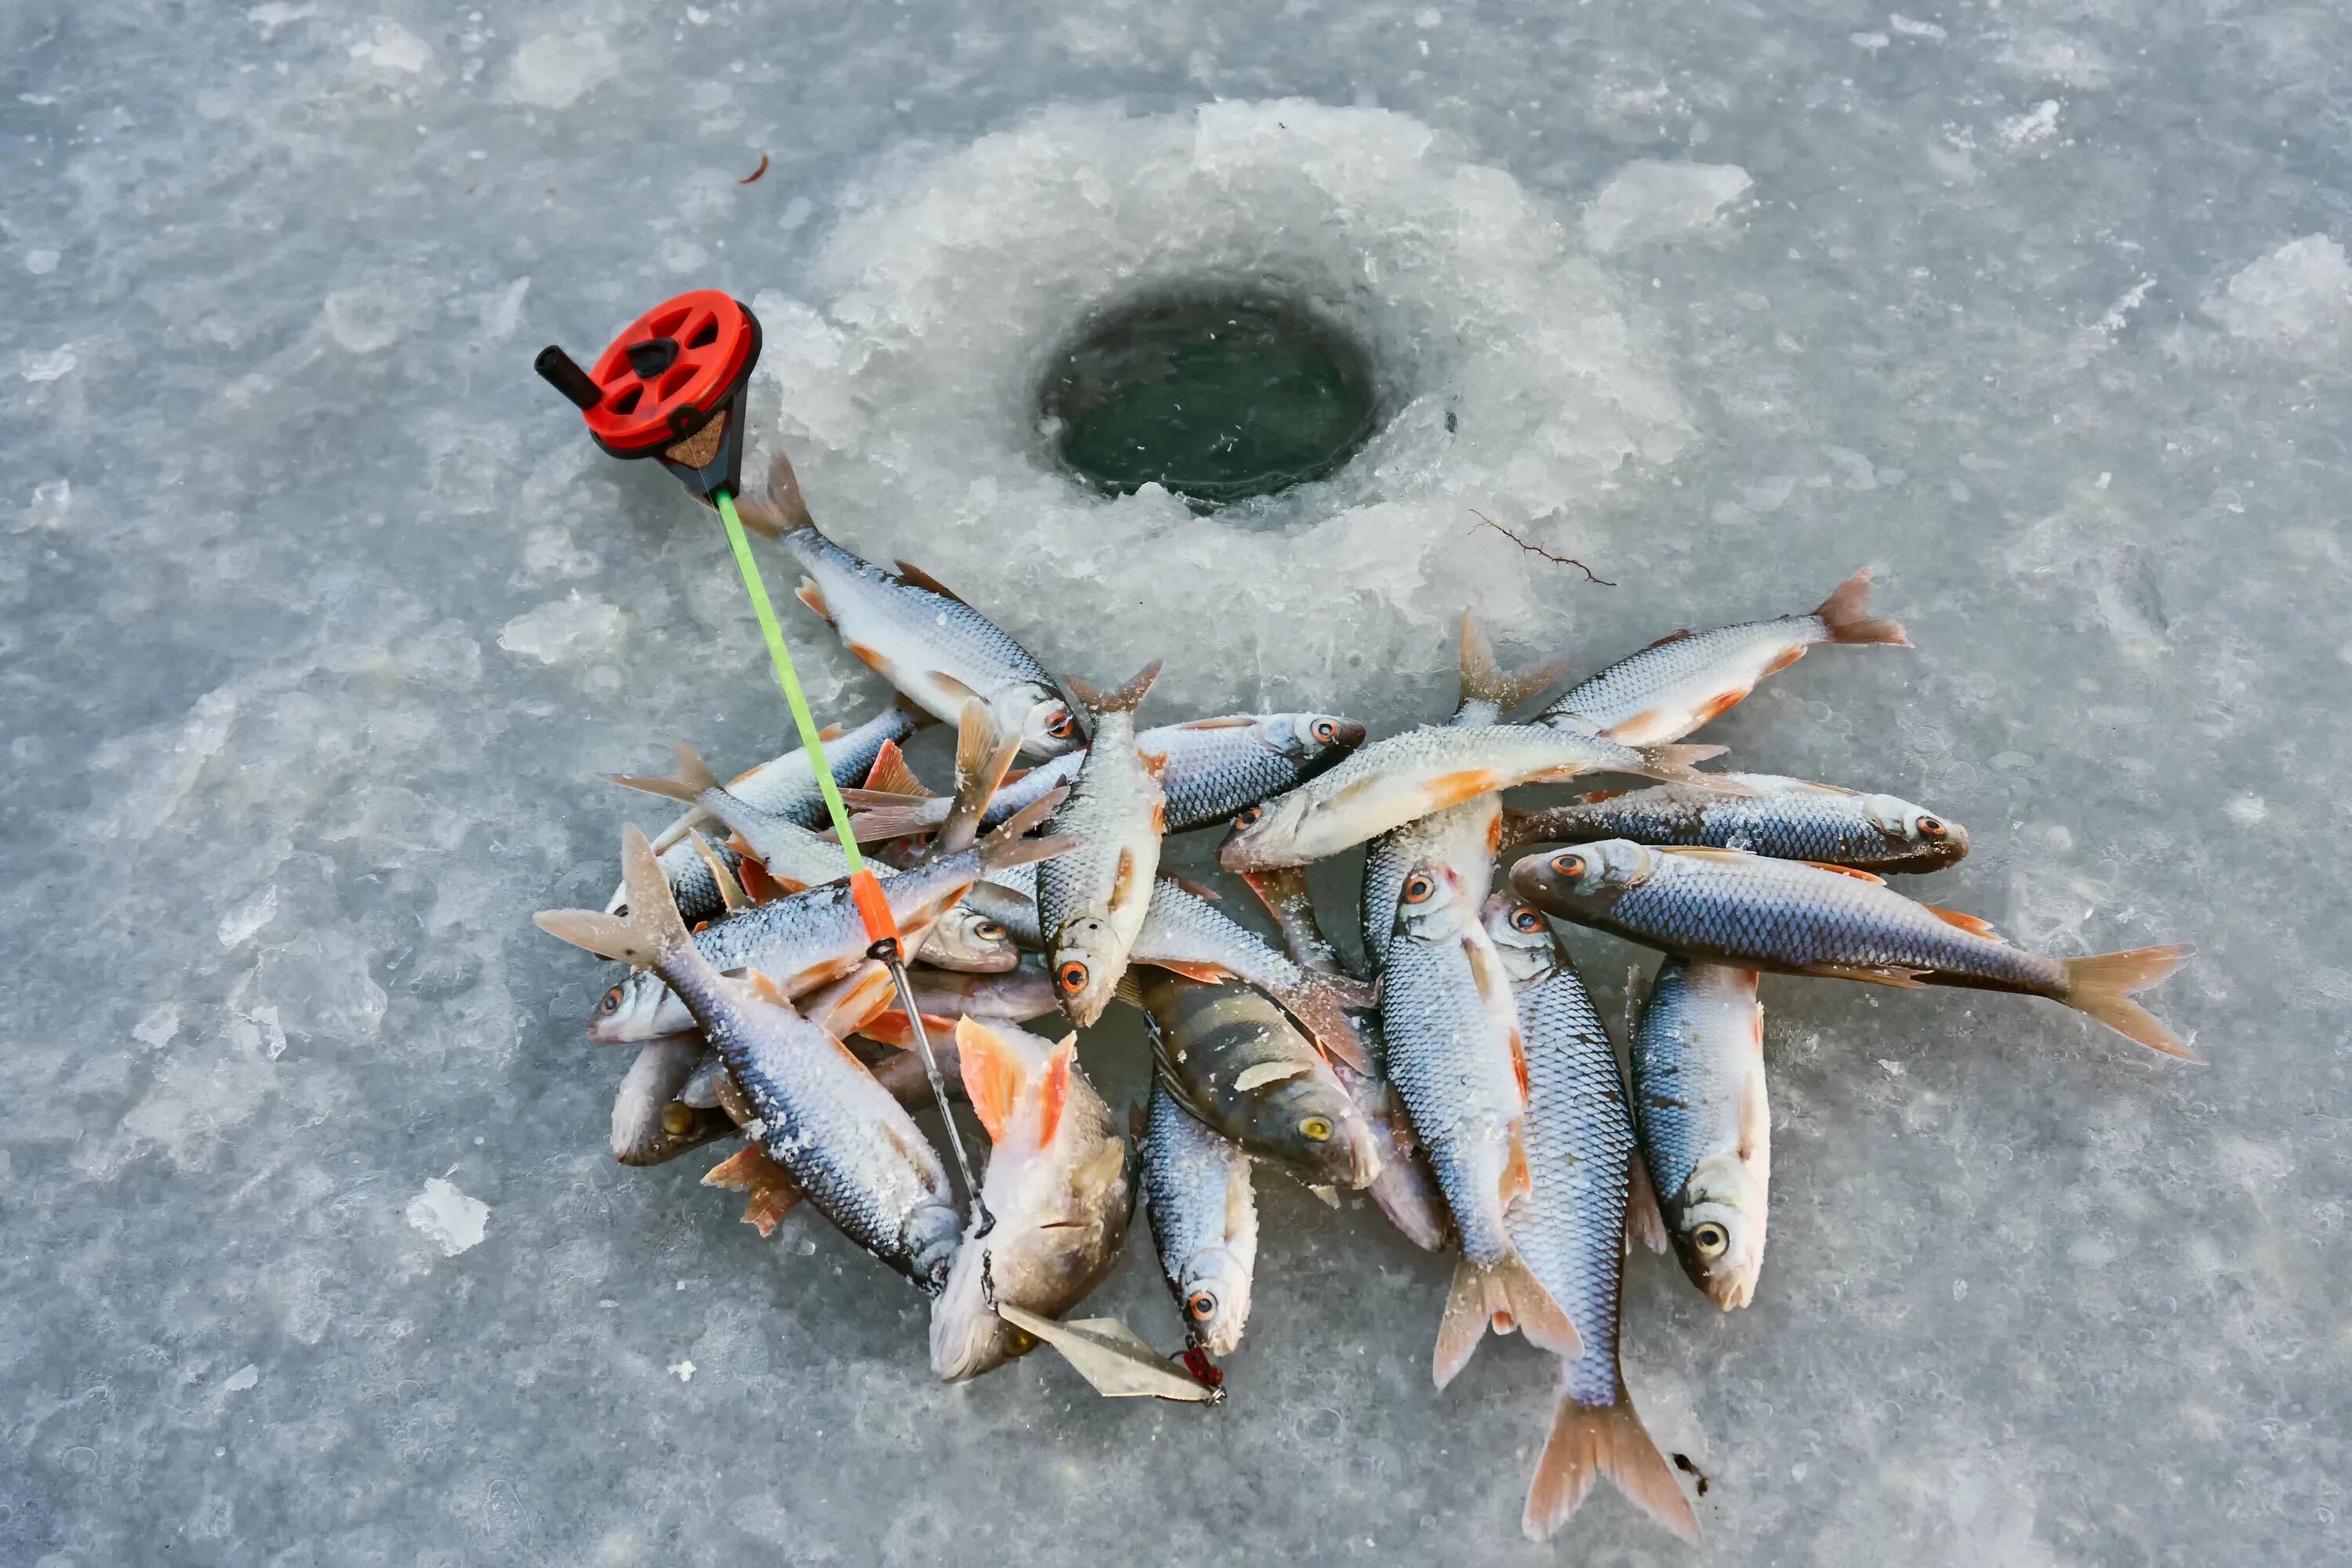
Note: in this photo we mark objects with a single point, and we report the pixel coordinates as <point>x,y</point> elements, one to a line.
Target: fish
<point>1707,1126</point>
<point>846,1141</point>
<point>815,937</point>
<point>651,1125</point>
<point>1570,1230</point>
<point>783,785</point>
<point>1687,678</point>
<point>1056,1187</point>
<point>1204,1214</point>
<point>1233,1059</point>
<point>1398,779</point>
<point>1487,690</point>
<point>1789,819</point>
<point>1185,933</point>
<point>1091,901</point>
<point>913,631</point>
<point>1216,767</point>
<point>1406,1189</point>
<point>1456,1054</point>
<point>1016,997</point>
<point>1795,917</point>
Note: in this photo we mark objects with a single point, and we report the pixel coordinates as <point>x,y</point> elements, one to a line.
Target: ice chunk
<point>395,48</point>
<point>243,1378</point>
<point>568,629</point>
<point>2037,124</point>
<point>47,364</point>
<point>1649,202</point>
<point>555,70</point>
<point>2295,301</point>
<point>449,1219</point>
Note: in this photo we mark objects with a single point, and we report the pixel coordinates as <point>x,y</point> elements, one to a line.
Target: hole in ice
<point>1217,396</point>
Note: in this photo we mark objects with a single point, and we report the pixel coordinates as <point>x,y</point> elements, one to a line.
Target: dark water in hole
<point>1217,397</point>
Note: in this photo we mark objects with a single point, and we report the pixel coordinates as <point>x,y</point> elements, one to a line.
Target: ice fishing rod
<point>675,385</point>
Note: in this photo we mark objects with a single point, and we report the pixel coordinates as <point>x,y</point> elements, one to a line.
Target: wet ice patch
<point>1508,379</point>
<point>243,1378</point>
<point>394,49</point>
<point>1650,201</point>
<point>447,1218</point>
<point>573,628</point>
<point>2295,301</point>
<point>45,364</point>
<point>555,70</point>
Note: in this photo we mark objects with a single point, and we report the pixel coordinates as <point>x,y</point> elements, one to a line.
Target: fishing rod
<point>675,384</point>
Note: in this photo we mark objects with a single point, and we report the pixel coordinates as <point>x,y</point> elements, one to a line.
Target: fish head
<point>1583,880</point>
<point>1309,1124</point>
<point>1718,1229</point>
<point>1087,962</point>
<point>931,1235</point>
<point>637,1009</point>
<point>1309,737</point>
<point>1933,842</point>
<point>1523,938</point>
<point>1262,836</point>
<point>1038,715</point>
<point>1213,1291</point>
<point>968,941</point>
<point>1432,904</point>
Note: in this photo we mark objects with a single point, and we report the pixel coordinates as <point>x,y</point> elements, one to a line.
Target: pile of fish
<point>1459,1075</point>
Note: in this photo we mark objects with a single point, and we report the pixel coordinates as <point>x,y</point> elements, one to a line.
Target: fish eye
<point>1417,887</point>
<point>677,1118</point>
<point>1930,828</point>
<point>1568,865</point>
<point>1710,1238</point>
<point>1201,1305</point>
<point>1061,725</point>
<point>1526,920</point>
<point>1071,977</point>
<point>988,931</point>
<point>1316,1128</point>
<point>1326,731</point>
<point>1249,818</point>
<point>611,1002</point>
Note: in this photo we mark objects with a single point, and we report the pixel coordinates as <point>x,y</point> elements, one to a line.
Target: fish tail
<point>694,778</point>
<point>1125,700</point>
<point>1591,1440</point>
<point>1674,766</point>
<point>982,760</point>
<point>649,934</point>
<point>893,821</point>
<point>782,511</point>
<point>1005,848</point>
<point>1504,1296</point>
<point>1320,1003</point>
<point>1843,614</point>
<point>2102,984</point>
<point>1484,681</point>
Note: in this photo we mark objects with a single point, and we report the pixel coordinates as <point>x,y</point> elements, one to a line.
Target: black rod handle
<point>563,374</point>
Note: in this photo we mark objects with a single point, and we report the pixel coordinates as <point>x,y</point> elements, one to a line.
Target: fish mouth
<point>1350,734</point>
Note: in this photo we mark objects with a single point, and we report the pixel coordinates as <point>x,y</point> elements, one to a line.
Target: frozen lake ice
<point>318,618</point>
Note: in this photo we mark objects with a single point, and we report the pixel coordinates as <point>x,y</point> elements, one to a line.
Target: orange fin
<point>1843,614</point>
<point>832,732</point>
<point>1122,884</point>
<point>1589,1441</point>
<point>1154,762</point>
<point>1199,890</point>
<point>871,659</point>
<point>1453,789</point>
<point>991,1076</point>
<point>1901,979</point>
<point>1640,723</point>
<point>1716,706</point>
<point>772,1193</point>
<point>1786,658</point>
<point>1211,973</point>
<point>1671,636</point>
<point>891,776</point>
<point>915,575</point>
<point>1055,1092</point>
<point>1230,721</point>
<point>2101,985</point>
<point>1975,925</point>
<point>1860,875</point>
<point>1160,818</point>
<point>809,594</point>
<point>1518,1180</point>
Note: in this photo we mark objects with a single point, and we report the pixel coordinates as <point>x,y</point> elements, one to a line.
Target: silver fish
<point>1404,777</point>
<point>814,937</point>
<point>1091,901</point>
<point>1707,1126</point>
<point>1789,819</point>
<point>915,632</point>
<point>1570,1229</point>
<point>850,1146</point>
<point>1185,933</point>
<point>1216,767</point>
<point>1455,1055</point>
<point>1203,1213</point>
<point>1057,1187</point>
<point>1683,680</point>
<point>651,1120</point>
<point>1797,918</point>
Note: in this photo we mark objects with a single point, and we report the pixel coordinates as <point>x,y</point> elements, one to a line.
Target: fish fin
<point>1160,814</point>
<point>1030,816</point>
<point>991,1075</point>
<point>1975,925</point>
<point>736,1173</point>
<point>1494,985</point>
<point>1680,636</point>
<point>1003,850</point>
<point>1125,700</point>
<point>1199,890</point>
<point>730,891</point>
<point>784,496</point>
<point>1782,661</point>
<point>759,986</point>
<point>1707,852</point>
<point>1639,723</point>
<point>1843,614</point>
<point>648,934</point>
<point>1190,969</point>
<point>1260,1073</point>
<point>871,658</point>
<point>1325,1193</point>
<point>891,776</point>
<point>1484,681</point>
<point>1054,1091</point>
<point>957,691</point>
<point>2102,984</point>
<point>1859,875</point>
<point>1461,1325</point>
<point>846,1007</point>
<point>1514,1297</point>
<point>895,821</point>
<point>981,756</point>
<point>832,732</point>
<point>1672,764</point>
<point>1643,1222</point>
<point>694,779</point>
<point>1588,1441</point>
<point>866,797</point>
<point>916,576</point>
<point>1716,706</point>
<point>1319,1001</point>
<point>760,885</point>
<point>772,1194</point>
<point>1105,1166</point>
<point>1517,1180</point>
<point>1901,979</point>
<point>754,513</point>
<point>809,594</point>
<point>1228,722</point>
<point>1469,784</point>
<point>1123,880</point>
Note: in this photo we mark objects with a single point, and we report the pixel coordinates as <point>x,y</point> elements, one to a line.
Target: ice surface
<point>318,615</point>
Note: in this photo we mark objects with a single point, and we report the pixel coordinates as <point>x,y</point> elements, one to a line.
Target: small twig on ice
<point>1538,549</point>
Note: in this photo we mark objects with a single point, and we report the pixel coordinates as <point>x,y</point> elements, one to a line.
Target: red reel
<point>662,383</point>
